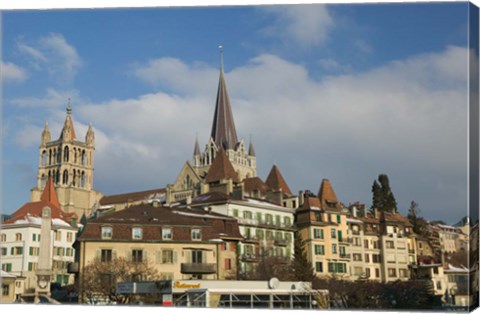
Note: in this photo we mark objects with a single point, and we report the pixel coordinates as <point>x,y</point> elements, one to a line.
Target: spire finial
<point>221,56</point>
<point>69,106</point>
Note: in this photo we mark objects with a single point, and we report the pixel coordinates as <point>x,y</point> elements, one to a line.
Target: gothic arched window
<point>65,177</point>
<point>82,183</point>
<point>66,154</point>
<point>57,177</point>
<point>83,157</point>
<point>50,157</point>
<point>43,181</point>
<point>44,158</point>
<point>74,179</point>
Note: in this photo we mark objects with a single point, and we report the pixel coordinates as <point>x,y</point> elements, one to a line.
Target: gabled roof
<point>255,184</point>
<point>395,218</point>
<point>328,198</point>
<point>276,181</point>
<point>130,197</point>
<point>223,128</point>
<point>48,199</point>
<point>221,168</point>
<point>311,203</point>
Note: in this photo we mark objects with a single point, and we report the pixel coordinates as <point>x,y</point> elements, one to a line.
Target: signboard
<point>126,287</point>
<point>167,300</point>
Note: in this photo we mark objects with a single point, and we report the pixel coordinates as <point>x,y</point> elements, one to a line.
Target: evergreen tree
<point>383,198</point>
<point>302,268</point>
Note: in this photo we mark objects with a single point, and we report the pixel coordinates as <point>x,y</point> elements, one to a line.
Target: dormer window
<point>196,234</point>
<point>107,232</point>
<point>137,233</point>
<point>166,233</point>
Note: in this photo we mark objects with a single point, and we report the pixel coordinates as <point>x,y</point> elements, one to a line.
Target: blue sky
<point>343,92</point>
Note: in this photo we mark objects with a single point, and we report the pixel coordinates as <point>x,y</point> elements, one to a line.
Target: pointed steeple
<point>221,168</point>
<point>251,151</point>
<point>49,194</point>
<point>223,128</point>
<point>196,150</point>
<point>68,132</point>
<point>46,136</point>
<point>276,181</point>
<point>328,198</point>
<point>90,136</point>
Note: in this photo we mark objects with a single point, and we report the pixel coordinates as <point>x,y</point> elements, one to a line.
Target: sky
<point>338,91</point>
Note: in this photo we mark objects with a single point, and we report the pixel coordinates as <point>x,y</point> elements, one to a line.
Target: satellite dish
<point>273,283</point>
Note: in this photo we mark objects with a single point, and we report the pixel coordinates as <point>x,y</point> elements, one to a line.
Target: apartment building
<point>180,243</point>
<point>267,228</point>
<point>322,223</point>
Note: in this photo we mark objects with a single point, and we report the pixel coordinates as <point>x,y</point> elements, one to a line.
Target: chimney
<point>189,200</point>
<point>301,198</point>
<point>354,211</point>
<point>155,203</point>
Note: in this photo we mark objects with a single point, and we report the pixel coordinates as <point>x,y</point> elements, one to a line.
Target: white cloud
<point>304,24</point>
<point>12,73</point>
<point>54,54</point>
<point>406,118</point>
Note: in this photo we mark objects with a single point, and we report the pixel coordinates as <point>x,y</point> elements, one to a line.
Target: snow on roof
<point>32,220</point>
<point>456,269</point>
<point>4,274</point>
<point>354,220</point>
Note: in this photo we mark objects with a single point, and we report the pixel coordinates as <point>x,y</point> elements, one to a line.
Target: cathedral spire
<point>46,136</point>
<point>196,150</point>
<point>223,128</point>
<point>68,132</point>
<point>251,150</point>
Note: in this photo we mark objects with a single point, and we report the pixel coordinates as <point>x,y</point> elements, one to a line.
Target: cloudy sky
<point>343,92</point>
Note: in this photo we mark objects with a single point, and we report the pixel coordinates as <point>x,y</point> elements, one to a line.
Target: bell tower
<point>69,161</point>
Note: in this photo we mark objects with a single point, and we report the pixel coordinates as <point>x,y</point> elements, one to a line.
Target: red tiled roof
<point>276,181</point>
<point>130,197</point>
<point>311,202</point>
<point>69,124</point>
<point>327,197</point>
<point>221,168</point>
<point>255,184</point>
<point>49,198</point>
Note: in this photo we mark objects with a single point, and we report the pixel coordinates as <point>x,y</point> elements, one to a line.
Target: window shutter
<point>204,257</point>
<point>158,258</point>
<point>12,251</point>
<point>174,257</point>
<point>31,251</point>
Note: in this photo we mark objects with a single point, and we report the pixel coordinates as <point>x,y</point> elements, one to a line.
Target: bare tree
<point>100,278</point>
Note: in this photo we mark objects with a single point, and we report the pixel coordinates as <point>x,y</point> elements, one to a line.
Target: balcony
<point>280,242</point>
<point>250,258</point>
<point>72,268</point>
<point>197,268</point>
<point>344,256</point>
<point>251,239</point>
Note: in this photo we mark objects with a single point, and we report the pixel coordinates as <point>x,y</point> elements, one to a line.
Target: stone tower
<point>224,135</point>
<point>69,161</point>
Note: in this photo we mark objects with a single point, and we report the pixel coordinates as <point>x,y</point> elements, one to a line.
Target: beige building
<point>69,161</point>
<point>181,244</point>
<point>322,223</point>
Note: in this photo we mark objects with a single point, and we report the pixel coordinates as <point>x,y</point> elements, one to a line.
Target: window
<point>367,272</point>
<point>334,248</point>
<point>376,258</point>
<point>357,257</point>
<point>4,251</point>
<point>288,237</point>
<point>3,237</point>
<point>390,245</point>
<point>333,233</point>
<point>196,234</point>
<point>439,283</point>
<point>166,233</point>
<point>435,270</point>
<point>339,219</point>
<point>367,258</point>
<point>228,264</point>
<point>69,236</point>
<point>58,236</point>
<point>5,290</point>
<point>318,233</point>
<point>319,249</point>
<point>269,234</point>
<point>259,217</point>
<point>268,219</point>
<point>337,267</point>
<point>106,256</point>
<point>278,220</point>
<point>259,234</point>
<point>137,233</point>
<point>166,276</point>
<point>235,213</point>
<point>167,256</point>
<point>403,273</point>
<point>318,216</point>
<point>340,238</point>
<point>319,267</point>
<point>197,257</point>
<point>357,271</point>
<point>287,221</point>
<point>376,244</point>
<point>18,237</point>
<point>137,256</point>
<point>106,232</point>
<point>34,237</point>
<point>377,272</point>
<point>7,267</point>
<point>365,243</point>
<point>392,272</point>
<point>247,215</point>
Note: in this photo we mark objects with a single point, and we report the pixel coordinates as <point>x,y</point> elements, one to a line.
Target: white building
<point>20,240</point>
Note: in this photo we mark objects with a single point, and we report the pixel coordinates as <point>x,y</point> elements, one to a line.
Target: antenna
<point>221,56</point>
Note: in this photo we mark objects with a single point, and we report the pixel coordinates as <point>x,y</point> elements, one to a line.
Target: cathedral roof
<point>251,150</point>
<point>49,199</point>
<point>221,168</point>
<point>223,128</point>
<point>131,197</point>
<point>327,197</point>
<point>276,181</point>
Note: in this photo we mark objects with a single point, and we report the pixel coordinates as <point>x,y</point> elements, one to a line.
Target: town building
<point>70,162</point>
<point>180,243</point>
<point>322,223</point>
<point>20,239</point>
<point>267,228</point>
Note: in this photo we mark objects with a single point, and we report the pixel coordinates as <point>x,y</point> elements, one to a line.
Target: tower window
<point>44,158</point>
<point>82,183</point>
<point>83,157</point>
<point>65,177</point>
<point>66,154</point>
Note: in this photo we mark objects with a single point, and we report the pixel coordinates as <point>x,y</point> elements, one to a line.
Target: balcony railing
<point>345,256</point>
<point>197,268</point>
<point>264,223</point>
<point>251,239</point>
<point>280,242</point>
